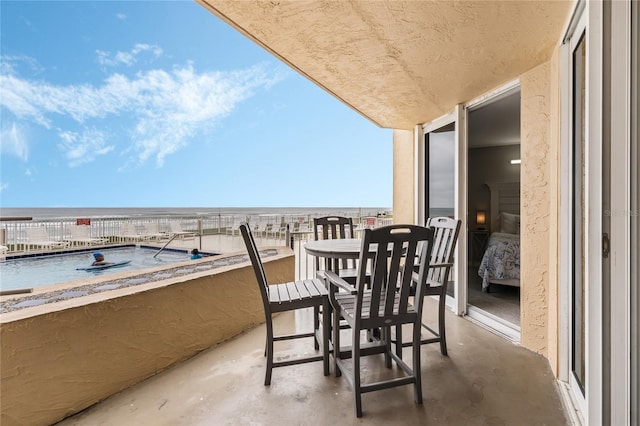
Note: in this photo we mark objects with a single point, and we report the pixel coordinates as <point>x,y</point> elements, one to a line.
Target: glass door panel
<point>440,194</point>
<point>578,217</point>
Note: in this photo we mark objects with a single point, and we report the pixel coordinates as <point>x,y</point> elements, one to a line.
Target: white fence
<point>14,238</point>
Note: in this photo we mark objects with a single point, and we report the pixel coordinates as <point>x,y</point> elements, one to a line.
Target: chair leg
<point>441,327</point>
<point>417,369</point>
<point>386,336</point>
<point>399,340</point>
<point>269,350</point>
<point>316,325</point>
<point>326,329</point>
<point>355,356</point>
<point>336,341</point>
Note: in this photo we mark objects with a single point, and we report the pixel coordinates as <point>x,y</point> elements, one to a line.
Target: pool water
<point>59,268</point>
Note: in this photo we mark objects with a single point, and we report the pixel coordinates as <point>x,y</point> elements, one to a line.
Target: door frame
<point>456,117</point>
<point>618,326</point>
<point>509,331</point>
<point>586,19</point>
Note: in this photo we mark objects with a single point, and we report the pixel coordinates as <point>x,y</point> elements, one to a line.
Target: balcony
<point>181,353</point>
<point>485,380</point>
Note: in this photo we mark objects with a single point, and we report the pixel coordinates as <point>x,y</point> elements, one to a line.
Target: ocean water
<point>91,212</point>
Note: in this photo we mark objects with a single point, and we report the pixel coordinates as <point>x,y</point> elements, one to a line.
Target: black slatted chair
<point>445,237</point>
<point>334,227</point>
<point>288,297</point>
<point>382,302</point>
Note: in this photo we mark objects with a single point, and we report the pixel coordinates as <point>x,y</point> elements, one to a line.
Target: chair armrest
<point>336,281</point>
<point>416,267</point>
<point>440,265</point>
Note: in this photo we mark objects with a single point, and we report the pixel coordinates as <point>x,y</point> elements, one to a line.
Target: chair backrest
<point>391,274</point>
<point>333,227</point>
<point>258,269</point>
<point>303,227</point>
<point>37,233</point>
<point>445,237</point>
<point>128,229</point>
<point>152,227</point>
<point>175,226</point>
<point>79,231</point>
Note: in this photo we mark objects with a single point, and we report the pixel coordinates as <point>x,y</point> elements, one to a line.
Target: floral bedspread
<point>501,259</point>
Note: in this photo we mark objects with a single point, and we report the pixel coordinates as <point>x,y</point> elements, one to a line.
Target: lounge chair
<point>235,228</point>
<point>277,230</point>
<point>80,234</point>
<point>176,230</point>
<point>39,237</point>
<point>128,231</point>
<point>152,231</point>
<point>261,229</point>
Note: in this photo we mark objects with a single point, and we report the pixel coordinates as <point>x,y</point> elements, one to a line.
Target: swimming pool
<point>39,271</point>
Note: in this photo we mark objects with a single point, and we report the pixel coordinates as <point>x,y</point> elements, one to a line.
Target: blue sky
<point>161,104</point>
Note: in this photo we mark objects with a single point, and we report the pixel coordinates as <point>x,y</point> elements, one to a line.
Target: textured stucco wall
<point>403,176</point>
<point>535,207</point>
<point>60,361</point>
<point>553,293</point>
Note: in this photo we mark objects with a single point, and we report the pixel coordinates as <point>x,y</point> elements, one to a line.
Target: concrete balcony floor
<point>485,380</point>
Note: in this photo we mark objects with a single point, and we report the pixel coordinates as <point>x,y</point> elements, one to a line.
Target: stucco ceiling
<point>402,63</point>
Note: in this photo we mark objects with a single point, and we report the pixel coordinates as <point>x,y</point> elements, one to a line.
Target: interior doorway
<point>493,211</point>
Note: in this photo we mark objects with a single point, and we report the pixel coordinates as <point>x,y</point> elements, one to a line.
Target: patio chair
<point>129,231</point>
<point>175,229</point>
<point>445,237</point>
<point>261,229</point>
<point>152,231</point>
<point>235,228</point>
<point>38,236</point>
<point>334,227</point>
<point>277,230</point>
<point>304,227</point>
<point>382,303</point>
<point>289,297</point>
<point>81,234</point>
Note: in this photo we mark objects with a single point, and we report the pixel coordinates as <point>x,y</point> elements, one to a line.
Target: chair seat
<point>347,303</point>
<point>297,294</point>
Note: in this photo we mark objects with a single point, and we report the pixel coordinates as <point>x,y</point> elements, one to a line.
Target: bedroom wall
<point>489,164</point>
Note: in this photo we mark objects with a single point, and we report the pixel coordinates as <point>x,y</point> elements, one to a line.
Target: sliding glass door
<point>438,189</point>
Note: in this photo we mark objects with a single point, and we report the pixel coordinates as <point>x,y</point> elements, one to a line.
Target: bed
<point>501,260</point>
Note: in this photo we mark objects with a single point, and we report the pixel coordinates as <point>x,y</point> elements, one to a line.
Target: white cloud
<point>163,110</point>
<point>83,147</point>
<point>13,142</point>
<point>121,16</point>
<point>127,58</point>
<point>3,186</point>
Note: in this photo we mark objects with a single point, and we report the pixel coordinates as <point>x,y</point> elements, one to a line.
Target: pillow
<point>509,223</point>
